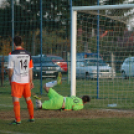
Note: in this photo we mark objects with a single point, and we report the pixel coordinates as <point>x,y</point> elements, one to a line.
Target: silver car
<point>127,68</point>
<point>87,68</point>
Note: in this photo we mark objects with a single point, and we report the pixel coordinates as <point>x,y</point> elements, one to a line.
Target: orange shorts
<point>18,90</point>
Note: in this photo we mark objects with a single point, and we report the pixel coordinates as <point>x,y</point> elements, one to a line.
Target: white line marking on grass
<point>119,110</point>
<point>4,105</point>
<point>10,132</point>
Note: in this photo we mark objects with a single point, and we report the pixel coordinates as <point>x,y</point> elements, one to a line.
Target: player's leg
<point>59,78</point>
<point>53,103</point>
<point>16,107</point>
<point>48,85</point>
<point>36,96</point>
<point>30,106</point>
<point>47,104</point>
<point>55,100</point>
<point>16,93</point>
<point>51,94</point>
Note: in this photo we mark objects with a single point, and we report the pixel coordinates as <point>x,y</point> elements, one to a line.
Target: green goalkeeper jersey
<point>73,103</point>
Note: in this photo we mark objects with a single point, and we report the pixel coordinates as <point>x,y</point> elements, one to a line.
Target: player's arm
<point>10,67</point>
<point>31,73</point>
<point>31,78</point>
<point>77,107</point>
<point>10,73</point>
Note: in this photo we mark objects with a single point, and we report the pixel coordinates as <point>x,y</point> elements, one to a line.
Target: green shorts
<point>55,100</point>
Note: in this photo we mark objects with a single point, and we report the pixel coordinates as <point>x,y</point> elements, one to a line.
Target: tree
<point>56,16</point>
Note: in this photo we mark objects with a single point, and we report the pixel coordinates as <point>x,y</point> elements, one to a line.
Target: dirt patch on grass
<point>103,113</point>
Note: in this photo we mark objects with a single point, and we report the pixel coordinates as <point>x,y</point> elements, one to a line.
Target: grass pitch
<point>110,91</point>
<point>70,126</point>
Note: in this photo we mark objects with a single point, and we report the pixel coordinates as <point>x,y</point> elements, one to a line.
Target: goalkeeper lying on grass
<point>57,101</point>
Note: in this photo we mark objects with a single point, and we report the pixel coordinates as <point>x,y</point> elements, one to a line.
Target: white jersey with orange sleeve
<point>20,61</point>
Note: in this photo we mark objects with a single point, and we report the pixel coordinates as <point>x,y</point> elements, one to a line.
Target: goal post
<point>85,9</point>
<point>73,52</point>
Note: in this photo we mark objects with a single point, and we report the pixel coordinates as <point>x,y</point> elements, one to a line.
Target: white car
<point>87,68</point>
<point>127,68</point>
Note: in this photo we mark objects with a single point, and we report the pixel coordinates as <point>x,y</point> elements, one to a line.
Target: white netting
<point>115,44</point>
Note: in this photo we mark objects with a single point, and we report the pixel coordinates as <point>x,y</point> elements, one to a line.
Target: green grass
<point>70,126</point>
<point>117,91</point>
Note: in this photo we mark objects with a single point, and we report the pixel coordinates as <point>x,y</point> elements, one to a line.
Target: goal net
<point>102,51</point>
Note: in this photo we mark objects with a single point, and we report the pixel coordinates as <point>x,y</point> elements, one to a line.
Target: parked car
<point>43,55</point>
<point>81,55</point>
<point>49,69</point>
<point>4,59</point>
<point>127,68</point>
<point>87,68</point>
<point>59,61</point>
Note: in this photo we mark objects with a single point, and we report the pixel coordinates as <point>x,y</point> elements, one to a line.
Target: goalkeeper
<point>57,101</point>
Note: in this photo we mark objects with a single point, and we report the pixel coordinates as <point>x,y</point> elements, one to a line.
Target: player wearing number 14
<point>20,75</point>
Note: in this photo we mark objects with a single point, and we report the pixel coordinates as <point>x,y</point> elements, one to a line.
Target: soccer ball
<point>38,103</point>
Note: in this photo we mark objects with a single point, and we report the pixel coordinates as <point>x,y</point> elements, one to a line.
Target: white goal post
<point>74,11</point>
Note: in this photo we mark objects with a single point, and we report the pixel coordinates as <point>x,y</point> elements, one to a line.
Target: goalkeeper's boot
<point>15,123</point>
<point>37,97</point>
<point>59,78</point>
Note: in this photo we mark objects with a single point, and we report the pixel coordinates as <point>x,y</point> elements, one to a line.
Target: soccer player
<point>20,76</point>
<point>57,101</point>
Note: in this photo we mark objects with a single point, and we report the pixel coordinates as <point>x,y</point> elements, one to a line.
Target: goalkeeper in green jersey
<point>57,101</point>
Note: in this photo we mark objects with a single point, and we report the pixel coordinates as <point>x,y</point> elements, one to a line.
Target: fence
<point>45,29</point>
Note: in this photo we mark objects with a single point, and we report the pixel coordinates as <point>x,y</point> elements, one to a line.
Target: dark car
<point>49,69</point>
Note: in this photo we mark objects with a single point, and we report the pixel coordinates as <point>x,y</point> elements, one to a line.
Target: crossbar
<point>103,7</point>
